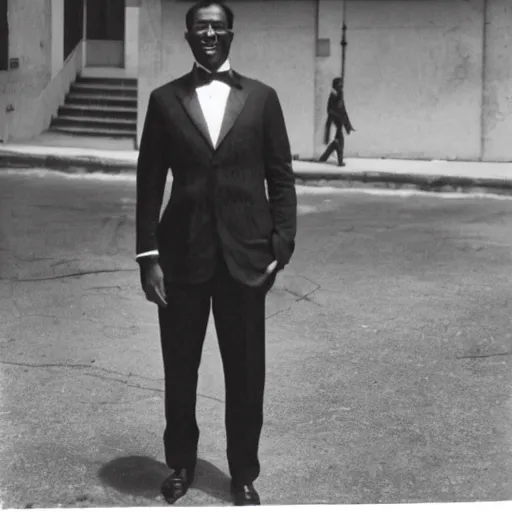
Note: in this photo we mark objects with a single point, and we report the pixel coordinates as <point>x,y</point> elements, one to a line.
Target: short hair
<point>189,19</point>
<point>337,82</point>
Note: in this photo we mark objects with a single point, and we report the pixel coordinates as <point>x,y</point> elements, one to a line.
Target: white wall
<point>57,13</point>
<point>414,78</point>
<point>30,41</point>
<point>131,42</point>
<point>497,114</point>
<point>54,93</point>
<point>330,21</point>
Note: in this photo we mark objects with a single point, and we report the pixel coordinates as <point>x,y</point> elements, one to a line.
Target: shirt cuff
<point>148,253</point>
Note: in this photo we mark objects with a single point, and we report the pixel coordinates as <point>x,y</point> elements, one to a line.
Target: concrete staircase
<point>104,107</point>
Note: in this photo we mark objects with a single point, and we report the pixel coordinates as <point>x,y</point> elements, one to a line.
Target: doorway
<point>4,36</point>
<point>73,25</point>
<point>105,33</point>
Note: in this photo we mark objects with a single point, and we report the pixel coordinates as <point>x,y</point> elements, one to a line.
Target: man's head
<point>337,84</point>
<point>209,32</point>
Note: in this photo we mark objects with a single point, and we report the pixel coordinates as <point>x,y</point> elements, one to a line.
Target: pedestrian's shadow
<point>142,476</point>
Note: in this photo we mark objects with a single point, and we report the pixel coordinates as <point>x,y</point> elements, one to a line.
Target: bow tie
<point>203,77</point>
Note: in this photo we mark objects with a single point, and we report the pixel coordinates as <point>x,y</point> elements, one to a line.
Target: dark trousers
<point>239,315</point>
<point>338,145</point>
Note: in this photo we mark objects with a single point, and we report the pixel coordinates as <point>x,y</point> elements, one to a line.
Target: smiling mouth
<point>209,48</point>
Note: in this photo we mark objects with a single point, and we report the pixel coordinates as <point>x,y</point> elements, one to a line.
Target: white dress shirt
<point>213,98</point>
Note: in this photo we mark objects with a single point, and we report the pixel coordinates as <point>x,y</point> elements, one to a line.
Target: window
<point>4,36</point>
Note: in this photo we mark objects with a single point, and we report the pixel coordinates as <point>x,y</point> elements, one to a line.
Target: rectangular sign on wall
<point>323,47</point>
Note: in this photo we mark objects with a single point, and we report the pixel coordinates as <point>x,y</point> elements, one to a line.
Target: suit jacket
<point>336,114</point>
<point>218,203</point>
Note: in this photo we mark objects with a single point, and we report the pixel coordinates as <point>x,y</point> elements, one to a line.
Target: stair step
<point>103,132</point>
<point>104,89</point>
<point>108,81</point>
<point>105,121</point>
<point>98,111</point>
<point>92,99</point>
<point>99,106</point>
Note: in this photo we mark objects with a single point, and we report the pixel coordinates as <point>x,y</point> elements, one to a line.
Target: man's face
<point>209,37</point>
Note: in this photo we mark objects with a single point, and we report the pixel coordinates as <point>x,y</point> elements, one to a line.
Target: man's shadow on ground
<point>142,477</point>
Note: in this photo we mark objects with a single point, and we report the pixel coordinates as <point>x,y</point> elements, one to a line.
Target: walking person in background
<point>219,243</point>
<point>337,115</point>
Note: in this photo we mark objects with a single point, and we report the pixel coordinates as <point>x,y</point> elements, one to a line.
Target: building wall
<point>150,56</point>
<point>414,78</point>
<point>329,23</point>
<point>131,42</point>
<point>497,112</point>
<point>427,79</point>
<point>57,35</point>
<point>278,50</point>
<point>30,41</point>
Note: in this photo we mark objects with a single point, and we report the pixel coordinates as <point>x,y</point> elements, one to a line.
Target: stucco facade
<point>30,34</point>
<point>330,15</point>
<point>427,79</point>
<point>497,92</point>
<point>424,78</point>
<point>430,79</point>
<point>414,78</point>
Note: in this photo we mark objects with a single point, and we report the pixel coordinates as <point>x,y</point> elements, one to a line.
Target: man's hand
<point>152,279</point>
<point>271,267</point>
<point>263,278</point>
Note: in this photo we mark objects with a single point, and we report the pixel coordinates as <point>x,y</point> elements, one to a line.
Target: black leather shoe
<point>245,495</point>
<point>176,485</point>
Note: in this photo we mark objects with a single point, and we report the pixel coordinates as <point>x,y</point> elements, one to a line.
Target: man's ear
<point>186,36</point>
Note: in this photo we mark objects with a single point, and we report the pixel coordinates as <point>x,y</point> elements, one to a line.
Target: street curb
<point>341,178</point>
<point>430,182</point>
<point>65,163</point>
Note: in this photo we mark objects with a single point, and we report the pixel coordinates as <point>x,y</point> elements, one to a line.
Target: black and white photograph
<point>256,253</point>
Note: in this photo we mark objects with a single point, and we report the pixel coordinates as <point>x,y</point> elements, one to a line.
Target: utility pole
<point>344,42</point>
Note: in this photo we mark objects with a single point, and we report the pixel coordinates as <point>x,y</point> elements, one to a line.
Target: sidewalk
<point>114,157</point>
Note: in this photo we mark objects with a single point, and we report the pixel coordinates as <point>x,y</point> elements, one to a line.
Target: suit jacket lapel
<point>234,106</point>
<point>194,110</point>
<point>190,102</point>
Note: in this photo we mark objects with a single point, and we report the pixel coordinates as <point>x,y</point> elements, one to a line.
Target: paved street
<point>389,342</point>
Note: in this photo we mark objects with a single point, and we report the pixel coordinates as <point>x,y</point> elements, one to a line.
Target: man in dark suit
<point>220,241</point>
<point>337,115</point>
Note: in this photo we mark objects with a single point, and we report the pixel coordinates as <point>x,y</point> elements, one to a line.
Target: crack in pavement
<point>298,297</point>
<point>21,316</point>
<point>64,262</point>
<point>97,272</point>
<point>481,356</point>
<point>77,365</point>
<point>104,377</point>
<point>305,296</point>
<point>126,383</point>
<point>65,276</point>
<point>278,313</point>
<point>64,207</point>
<point>84,366</point>
<point>33,259</point>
